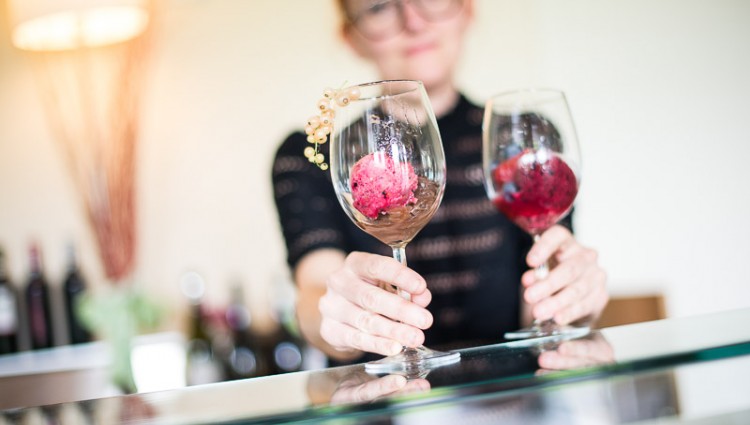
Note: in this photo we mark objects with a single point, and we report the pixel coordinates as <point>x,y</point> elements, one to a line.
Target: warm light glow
<point>80,28</point>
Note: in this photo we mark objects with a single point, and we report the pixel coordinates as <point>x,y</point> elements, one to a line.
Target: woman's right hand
<point>359,314</point>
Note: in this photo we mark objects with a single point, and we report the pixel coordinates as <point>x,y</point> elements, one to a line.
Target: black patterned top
<point>471,256</point>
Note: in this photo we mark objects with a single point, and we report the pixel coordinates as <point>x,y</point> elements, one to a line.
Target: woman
<point>468,265</point>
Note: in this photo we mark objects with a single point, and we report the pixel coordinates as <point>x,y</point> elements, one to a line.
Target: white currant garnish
<point>318,127</point>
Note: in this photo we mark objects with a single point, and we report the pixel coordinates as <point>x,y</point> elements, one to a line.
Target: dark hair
<point>343,11</point>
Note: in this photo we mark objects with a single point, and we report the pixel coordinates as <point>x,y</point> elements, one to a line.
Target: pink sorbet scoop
<point>379,184</point>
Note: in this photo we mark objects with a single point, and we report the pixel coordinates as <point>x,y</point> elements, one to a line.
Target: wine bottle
<point>203,365</point>
<point>74,288</point>
<point>246,359</point>
<point>285,347</point>
<point>8,312</point>
<point>37,303</point>
<point>286,352</point>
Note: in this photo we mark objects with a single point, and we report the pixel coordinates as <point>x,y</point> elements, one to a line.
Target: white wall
<point>659,90</point>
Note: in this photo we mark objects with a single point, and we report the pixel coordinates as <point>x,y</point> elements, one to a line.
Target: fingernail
<point>531,295</point>
<point>420,285</point>
<point>395,348</point>
<point>397,382</point>
<point>401,380</point>
<point>414,340</point>
<point>534,253</point>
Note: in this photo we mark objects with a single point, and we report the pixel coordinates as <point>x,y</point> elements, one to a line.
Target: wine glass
<point>531,164</point>
<point>388,172</point>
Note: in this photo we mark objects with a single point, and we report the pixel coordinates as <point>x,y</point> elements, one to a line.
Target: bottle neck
<point>3,270</point>
<point>72,260</point>
<point>35,262</point>
<point>72,269</point>
<point>196,322</point>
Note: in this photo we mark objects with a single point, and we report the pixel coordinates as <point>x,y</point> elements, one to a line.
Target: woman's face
<point>426,49</point>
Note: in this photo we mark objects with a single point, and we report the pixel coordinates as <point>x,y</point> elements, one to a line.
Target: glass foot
<point>411,360</point>
<point>548,328</point>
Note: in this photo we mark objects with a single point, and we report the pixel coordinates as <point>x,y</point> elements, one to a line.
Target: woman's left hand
<point>575,288</point>
<point>361,387</point>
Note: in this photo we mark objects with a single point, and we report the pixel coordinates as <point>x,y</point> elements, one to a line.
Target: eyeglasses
<point>381,19</point>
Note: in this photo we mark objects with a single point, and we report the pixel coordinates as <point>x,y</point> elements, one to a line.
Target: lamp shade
<point>46,25</point>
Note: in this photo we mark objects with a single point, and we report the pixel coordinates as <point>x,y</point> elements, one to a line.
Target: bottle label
<point>8,316</point>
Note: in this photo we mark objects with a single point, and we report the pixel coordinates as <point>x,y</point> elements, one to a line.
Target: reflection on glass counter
<point>630,374</point>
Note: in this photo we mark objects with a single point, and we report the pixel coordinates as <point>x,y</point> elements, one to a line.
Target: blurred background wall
<point>659,91</point>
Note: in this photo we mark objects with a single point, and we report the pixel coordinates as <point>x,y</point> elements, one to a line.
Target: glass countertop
<point>681,370</point>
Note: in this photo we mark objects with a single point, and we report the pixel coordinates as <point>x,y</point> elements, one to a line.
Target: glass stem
<point>411,354</point>
<point>541,271</point>
<point>399,253</point>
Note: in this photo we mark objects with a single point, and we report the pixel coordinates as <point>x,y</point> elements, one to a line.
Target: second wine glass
<point>531,163</point>
<point>388,172</point>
